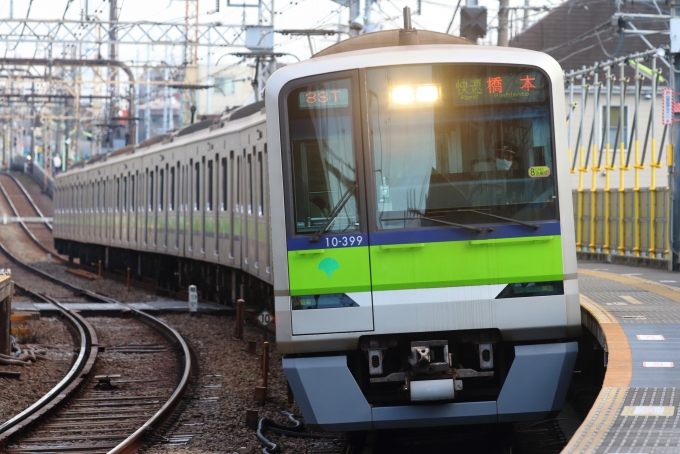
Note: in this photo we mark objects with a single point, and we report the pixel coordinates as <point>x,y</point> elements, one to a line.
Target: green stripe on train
<point>425,265</point>
<point>324,271</point>
<point>460,263</point>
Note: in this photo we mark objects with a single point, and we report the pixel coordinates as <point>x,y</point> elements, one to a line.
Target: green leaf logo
<point>328,266</point>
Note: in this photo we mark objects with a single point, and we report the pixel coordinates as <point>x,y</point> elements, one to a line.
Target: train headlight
<point>402,95</point>
<point>427,93</point>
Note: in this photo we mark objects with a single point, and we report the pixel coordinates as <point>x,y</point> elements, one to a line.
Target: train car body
<point>426,273</point>
<point>406,207</point>
<point>186,208</point>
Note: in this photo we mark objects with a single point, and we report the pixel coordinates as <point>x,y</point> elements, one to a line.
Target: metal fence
<point>620,215</point>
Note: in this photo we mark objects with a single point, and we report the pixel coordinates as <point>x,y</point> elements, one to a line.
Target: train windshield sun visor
<point>461,144</point>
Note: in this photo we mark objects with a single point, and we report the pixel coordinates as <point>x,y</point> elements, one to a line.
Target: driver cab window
<point>322,157</point>
<point>461,144</point>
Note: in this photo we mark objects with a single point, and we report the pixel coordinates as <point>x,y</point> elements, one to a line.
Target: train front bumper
<point>330,398</point>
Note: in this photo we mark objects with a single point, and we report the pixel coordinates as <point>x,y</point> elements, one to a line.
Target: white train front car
<point>424,259</point>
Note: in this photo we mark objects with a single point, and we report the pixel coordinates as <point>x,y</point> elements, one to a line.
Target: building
<point>581,33</point>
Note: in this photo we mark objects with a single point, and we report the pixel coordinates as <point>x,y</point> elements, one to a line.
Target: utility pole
<point>265,66</point>
<point>147,94</point>
<point>208,80</point>
<point>190,60</point>
<point>32,110</point>
<point>503,23</point>
<point>525,22</point>
<point>113,72</point>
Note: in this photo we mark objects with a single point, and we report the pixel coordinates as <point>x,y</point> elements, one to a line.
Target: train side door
<point>237,221</point>
<point>251,215</point>
<point>181,223</point>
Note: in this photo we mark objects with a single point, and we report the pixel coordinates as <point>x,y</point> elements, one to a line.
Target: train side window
<point>117,194</point>
<point>209,195</point>
<point>250,184</point>
<point>151,191</point>
<point>132,193</point>
<point>223,204</point>
<point>197,186</point>
<point>92,199</point>
<point>104,195</point>
<point>238,182</point>
<point>171,200</point>
<point>125,193</point>
<point>161,189</point>
<point>261,176</point>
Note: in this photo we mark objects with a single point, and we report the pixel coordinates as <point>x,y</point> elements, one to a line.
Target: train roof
<point>237,114</point>
<point>391,38</point>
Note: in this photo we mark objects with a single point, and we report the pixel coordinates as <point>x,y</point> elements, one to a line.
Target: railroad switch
<point>104,382</point>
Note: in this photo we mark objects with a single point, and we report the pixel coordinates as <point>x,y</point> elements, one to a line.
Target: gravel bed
<point>28,279</point>
<point>108,287</point>
<point>41,199</point>
<point>214,408</point>
<point>47,334</point>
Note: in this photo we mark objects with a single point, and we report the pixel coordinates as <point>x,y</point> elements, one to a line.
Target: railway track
<point>105,405</point>
<point>23,206</point>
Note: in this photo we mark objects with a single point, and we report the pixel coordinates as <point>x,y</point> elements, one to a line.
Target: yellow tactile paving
<point>597,311</point>
<point>601,416</point>
<point>619,373</point>
<point>630,299</point>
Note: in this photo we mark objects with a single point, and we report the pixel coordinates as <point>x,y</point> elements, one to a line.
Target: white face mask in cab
<point>503,164</point>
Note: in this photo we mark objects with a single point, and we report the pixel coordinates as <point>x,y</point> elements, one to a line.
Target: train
<point>401,201</point>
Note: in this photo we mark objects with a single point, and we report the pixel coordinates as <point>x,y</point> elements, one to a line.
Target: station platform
<point>637,312</point>
<point>154,307</point>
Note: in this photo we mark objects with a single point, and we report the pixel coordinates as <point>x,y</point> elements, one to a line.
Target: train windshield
<point>460,143</point>
<point>322,143</point>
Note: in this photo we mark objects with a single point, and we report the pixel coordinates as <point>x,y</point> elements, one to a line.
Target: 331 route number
<point>265,317</point>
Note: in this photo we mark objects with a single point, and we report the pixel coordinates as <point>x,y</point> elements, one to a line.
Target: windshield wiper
<point>533,226</point>
<point>336,211</point>
<point>420,216</point>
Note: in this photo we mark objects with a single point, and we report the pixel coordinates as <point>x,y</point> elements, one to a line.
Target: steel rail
<point>30,199</point>
<point>73,379</point>
<point>134,441</point>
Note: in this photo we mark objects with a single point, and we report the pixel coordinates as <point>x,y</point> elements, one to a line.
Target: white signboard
<point>657,364</point>
<point>650,337</point>
<point>667,106</point>
<point>265,317</point>
<point>193,299</point>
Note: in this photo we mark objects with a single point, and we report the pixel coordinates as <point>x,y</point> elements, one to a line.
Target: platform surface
<point>639,312</point>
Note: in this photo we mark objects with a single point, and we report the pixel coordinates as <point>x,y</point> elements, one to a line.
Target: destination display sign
<point>323,99</point>
<point>506,86</point>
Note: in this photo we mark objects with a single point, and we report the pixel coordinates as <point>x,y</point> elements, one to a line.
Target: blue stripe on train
<point>426,235</point>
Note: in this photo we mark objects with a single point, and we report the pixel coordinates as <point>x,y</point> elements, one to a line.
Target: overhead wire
<point>583,36</point>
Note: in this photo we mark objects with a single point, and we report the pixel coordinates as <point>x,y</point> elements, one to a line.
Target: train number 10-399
<point>342,241</point>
